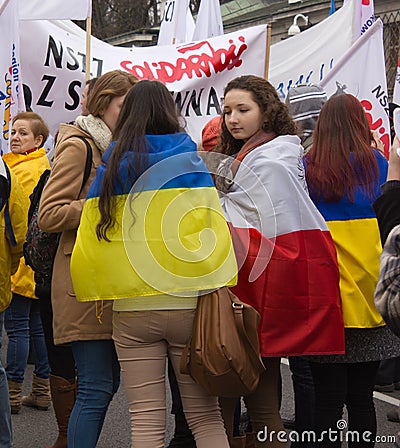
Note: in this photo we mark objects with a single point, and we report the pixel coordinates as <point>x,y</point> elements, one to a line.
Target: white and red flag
<point>361,71</point>
<point>287,259</point>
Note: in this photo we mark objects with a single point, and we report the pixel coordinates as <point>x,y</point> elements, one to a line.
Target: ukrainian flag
<point>170,237</point>
<point>354,229</point>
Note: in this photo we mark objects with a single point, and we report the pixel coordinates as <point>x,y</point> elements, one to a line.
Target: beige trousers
<point>143,340</point>
<point>262,406</point>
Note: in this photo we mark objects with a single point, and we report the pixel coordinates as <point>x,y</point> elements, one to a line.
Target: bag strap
<point>88,163</point>
<point>4,184</point>
<point>239,321</point>
<point>185,358</point>
<point>36,193</point>
<point>7,217</point>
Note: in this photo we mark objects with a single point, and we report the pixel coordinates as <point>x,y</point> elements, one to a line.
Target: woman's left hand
<point>377,142</point>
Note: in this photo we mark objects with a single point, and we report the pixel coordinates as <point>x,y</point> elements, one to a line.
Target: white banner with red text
<point>53,65</point>
<point>362,73</point>
<point>53,62</point>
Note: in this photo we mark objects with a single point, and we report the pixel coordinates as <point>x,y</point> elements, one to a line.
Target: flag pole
<point>3,6</point>
<point>88,55</point>
<point>268,50</point>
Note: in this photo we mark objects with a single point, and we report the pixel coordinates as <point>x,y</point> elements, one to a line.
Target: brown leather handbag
<point>223,354</point>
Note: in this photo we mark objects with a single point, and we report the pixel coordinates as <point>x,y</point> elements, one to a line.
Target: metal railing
<point>391,40</point>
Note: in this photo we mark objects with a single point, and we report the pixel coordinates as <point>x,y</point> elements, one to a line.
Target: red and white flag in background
<point>368,84</point>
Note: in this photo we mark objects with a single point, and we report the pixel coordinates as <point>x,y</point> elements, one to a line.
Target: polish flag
<point>287,259</point>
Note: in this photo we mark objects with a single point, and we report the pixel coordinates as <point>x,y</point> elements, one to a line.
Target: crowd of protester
<point>323,199</point>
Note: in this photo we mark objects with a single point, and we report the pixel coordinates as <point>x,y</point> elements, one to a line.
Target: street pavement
<point>37,429</point>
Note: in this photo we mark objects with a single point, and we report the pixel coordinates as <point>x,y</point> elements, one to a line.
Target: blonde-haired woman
<point>85,326</point>
<point>27,160</point>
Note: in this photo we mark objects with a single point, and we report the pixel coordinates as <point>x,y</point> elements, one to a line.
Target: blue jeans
<point>22,323</point>
<point>5,413</point>
<point>98,381</point>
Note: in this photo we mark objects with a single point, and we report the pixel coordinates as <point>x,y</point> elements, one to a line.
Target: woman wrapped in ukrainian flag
<point>152,235</point>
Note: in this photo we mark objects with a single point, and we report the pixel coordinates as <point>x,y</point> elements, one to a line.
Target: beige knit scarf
<point>99,131</point>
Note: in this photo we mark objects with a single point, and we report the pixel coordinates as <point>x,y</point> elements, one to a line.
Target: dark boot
<point>250,440</point>
<point>238,442</point>
<point>63,395</point>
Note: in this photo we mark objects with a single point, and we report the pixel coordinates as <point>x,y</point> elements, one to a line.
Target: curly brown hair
<point>276,117</point>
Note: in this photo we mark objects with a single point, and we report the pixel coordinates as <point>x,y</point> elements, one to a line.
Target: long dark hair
<point>276,117</point>
<point>148,108</point>
<point>342,129</point>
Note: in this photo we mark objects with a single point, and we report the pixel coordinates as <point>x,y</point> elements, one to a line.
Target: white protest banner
<point>196,73</point>
<point>53,64</point>
<point>54,9</point>
<point>190,26</point>
<point>174,22</point>
<point>308,56</point>
<point>11,96</point>
<point>362,73</point>
<point>396,89</point>
<point>209,20</point>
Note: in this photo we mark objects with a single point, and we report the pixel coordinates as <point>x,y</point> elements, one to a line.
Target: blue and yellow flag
<point>170,236</point>
<point>354,229</point>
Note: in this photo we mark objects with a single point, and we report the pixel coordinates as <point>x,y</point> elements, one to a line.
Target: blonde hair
<point>38,125</point>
